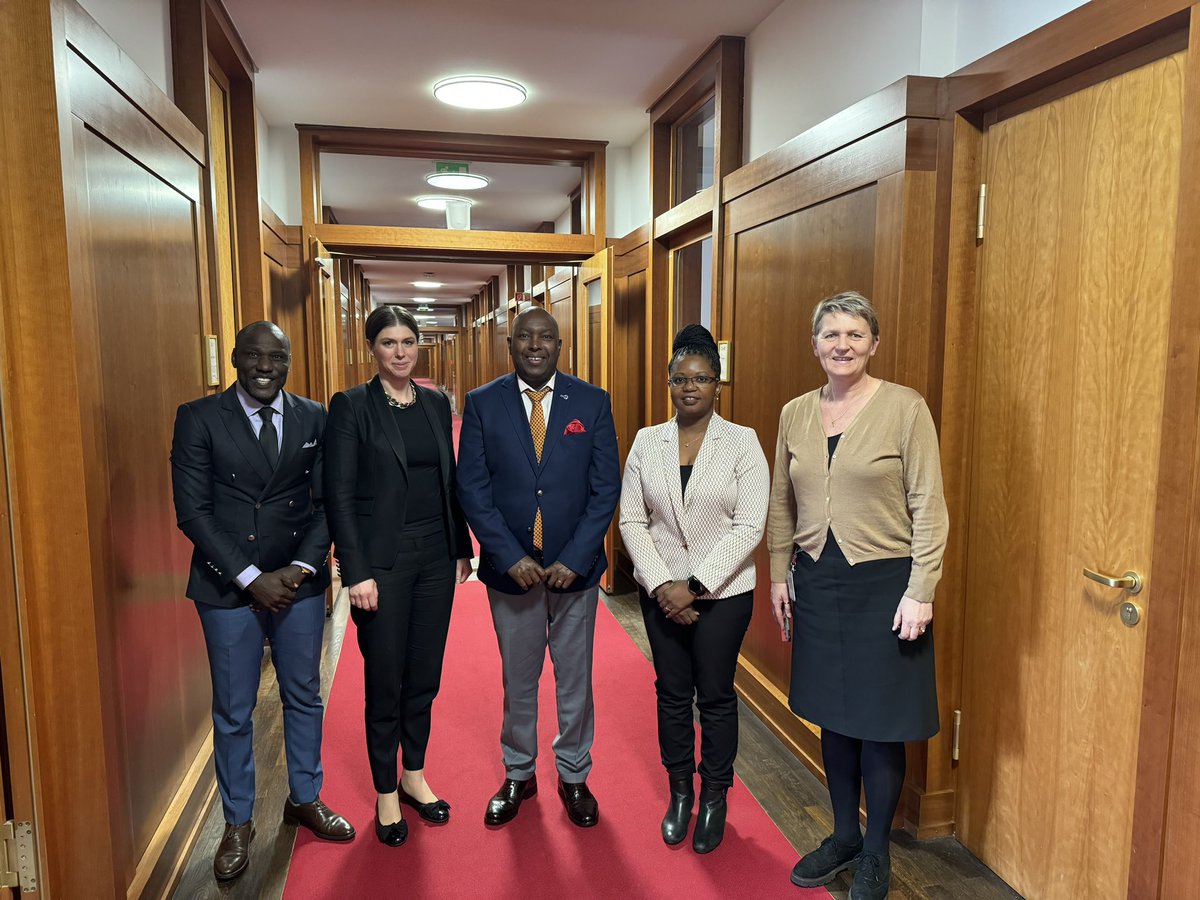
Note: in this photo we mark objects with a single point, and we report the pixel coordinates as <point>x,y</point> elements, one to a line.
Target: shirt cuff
<point>246,577</point>
<point>305,566</point>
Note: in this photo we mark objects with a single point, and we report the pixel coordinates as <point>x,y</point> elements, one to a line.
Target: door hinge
<point>955,734</point>
<point>982,211</point>
<point>18,856</point>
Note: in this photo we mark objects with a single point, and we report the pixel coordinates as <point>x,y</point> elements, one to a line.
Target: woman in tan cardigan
<point>856,530</point>
<point>693,505</point>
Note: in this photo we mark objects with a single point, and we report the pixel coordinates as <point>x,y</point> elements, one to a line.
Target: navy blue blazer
<point>501,483</point>
<point>234,509</point>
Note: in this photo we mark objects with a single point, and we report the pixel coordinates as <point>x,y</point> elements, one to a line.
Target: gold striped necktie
<point>537,427</point>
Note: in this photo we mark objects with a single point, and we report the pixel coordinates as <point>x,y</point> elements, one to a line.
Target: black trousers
<point>698,660</point>
<point>403,643</point>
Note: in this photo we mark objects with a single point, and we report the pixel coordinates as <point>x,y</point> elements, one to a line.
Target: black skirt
<point>850,672</point>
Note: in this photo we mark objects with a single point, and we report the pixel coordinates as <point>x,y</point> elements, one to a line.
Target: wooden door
<point>560,301</point>
<point>1073,304</point>
<point>325,336</point>
<point>594,313</point>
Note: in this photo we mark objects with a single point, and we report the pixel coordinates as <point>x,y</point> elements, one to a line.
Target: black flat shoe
<point>393,835</point>
<point>437,812</point>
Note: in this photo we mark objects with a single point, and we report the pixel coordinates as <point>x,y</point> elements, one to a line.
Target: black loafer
<point>506,802</point>
<point>393,835</point>
<point>437,812</point>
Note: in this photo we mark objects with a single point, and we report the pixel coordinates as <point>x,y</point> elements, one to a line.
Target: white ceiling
<point>381,190</point>
<point>591,69</point>
<point>392,280</point>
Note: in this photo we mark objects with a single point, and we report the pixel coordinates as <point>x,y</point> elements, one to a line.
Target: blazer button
<point>540,492</point>
<point>250,538</point>
<point>291,503</point>
<point>258,506</point>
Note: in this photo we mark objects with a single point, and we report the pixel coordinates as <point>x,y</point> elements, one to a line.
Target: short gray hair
<point>852,303</point>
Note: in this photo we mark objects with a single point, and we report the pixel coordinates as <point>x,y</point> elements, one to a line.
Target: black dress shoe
<point>506,802</point>
<point>393,835</point>
<point>233,853</point>
<point>437,812</point>
<point>710,820</point>
<point>821,866</point>
<point>679,812</point>
<point>582,808</point>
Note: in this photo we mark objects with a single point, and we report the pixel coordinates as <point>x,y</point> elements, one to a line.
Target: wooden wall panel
<point>140,291</point>
<point>780,270</point>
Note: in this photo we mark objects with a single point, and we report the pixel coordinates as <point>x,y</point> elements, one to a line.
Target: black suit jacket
<point>234,509</point>
<point>366,478</point>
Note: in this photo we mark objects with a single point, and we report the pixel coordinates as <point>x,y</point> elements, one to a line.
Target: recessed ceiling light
<point>457,181</point>
<point>439,201</point>
<point>479,92</point>
<point>423,300</point>
<point>427,285</point>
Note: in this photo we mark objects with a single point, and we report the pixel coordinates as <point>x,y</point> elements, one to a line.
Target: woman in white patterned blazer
<point>693,507</point>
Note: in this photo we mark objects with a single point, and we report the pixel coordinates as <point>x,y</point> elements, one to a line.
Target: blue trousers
<point>234,638</point>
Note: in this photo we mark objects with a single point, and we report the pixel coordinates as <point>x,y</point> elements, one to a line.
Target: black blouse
<point>424,499</point>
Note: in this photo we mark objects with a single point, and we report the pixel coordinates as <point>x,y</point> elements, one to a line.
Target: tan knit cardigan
<point>881,493</point>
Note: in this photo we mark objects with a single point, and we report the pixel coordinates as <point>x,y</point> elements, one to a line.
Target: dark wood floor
<point>940,869</point>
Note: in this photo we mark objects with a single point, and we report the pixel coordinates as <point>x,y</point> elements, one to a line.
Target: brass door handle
<point>1131,581</point>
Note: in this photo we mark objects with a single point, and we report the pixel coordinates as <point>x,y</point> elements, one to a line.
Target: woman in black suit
<point>398,532</point>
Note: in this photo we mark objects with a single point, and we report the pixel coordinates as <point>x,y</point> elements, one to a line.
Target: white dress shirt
<point>527,401</point>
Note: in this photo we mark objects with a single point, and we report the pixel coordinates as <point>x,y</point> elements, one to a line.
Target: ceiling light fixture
<point>457,181</point>
<point>424,300</point>
<point>439,202</point>
<point>427,285</point>
<point>479,92</point>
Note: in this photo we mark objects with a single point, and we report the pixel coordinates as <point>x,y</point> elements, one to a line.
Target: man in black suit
<point>246,470</point>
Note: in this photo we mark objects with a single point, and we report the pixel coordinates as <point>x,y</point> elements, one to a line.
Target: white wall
<point>810,59</point>
<point>627,184</point>
<point>279,185</point>
<point>142,28</point>
<point>987,25</point>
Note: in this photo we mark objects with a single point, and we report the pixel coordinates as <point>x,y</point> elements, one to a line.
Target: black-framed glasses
<point>698,380</point>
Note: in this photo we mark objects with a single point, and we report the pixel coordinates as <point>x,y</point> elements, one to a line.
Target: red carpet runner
<point>539,854</point>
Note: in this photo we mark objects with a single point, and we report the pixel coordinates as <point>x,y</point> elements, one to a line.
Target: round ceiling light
<point>457,181</point>
<point>424,300</point>
<point>427,285</point>
<point>479,92</point>
<point>439,201</point>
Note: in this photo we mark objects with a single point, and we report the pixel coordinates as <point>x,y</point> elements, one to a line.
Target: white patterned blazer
<point>711,533</point>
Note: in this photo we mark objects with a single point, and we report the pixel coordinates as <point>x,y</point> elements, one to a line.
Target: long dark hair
<point>695,340</point>
<point>386,316</point>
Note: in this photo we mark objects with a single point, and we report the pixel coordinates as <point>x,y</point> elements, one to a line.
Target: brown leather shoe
<point>233,853</point>
<point>506,802</point>
<point>319,819</point>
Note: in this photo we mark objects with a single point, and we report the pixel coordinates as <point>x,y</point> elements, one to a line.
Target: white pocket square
<point>309,444</point>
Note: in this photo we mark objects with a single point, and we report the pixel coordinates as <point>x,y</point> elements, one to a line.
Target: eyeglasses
<point>698,380</point>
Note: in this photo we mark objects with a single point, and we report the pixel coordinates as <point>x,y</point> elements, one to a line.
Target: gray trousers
<point>526,624</point>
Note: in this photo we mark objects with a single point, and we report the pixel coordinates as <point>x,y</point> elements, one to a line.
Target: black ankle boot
<point>710,818</point>
<point>679,812</point>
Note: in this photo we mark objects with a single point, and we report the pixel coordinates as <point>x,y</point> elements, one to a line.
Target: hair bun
<point>693,336</point>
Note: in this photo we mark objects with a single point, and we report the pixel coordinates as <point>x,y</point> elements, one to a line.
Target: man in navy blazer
<point>541,514</point>
<point>246,473</point>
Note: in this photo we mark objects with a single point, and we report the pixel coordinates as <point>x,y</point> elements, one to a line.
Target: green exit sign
<point>451,168</point>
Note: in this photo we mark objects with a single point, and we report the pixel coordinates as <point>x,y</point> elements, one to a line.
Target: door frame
<point>1094,41</point>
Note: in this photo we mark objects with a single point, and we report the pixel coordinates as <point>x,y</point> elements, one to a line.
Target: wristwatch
<point>695,587</point>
